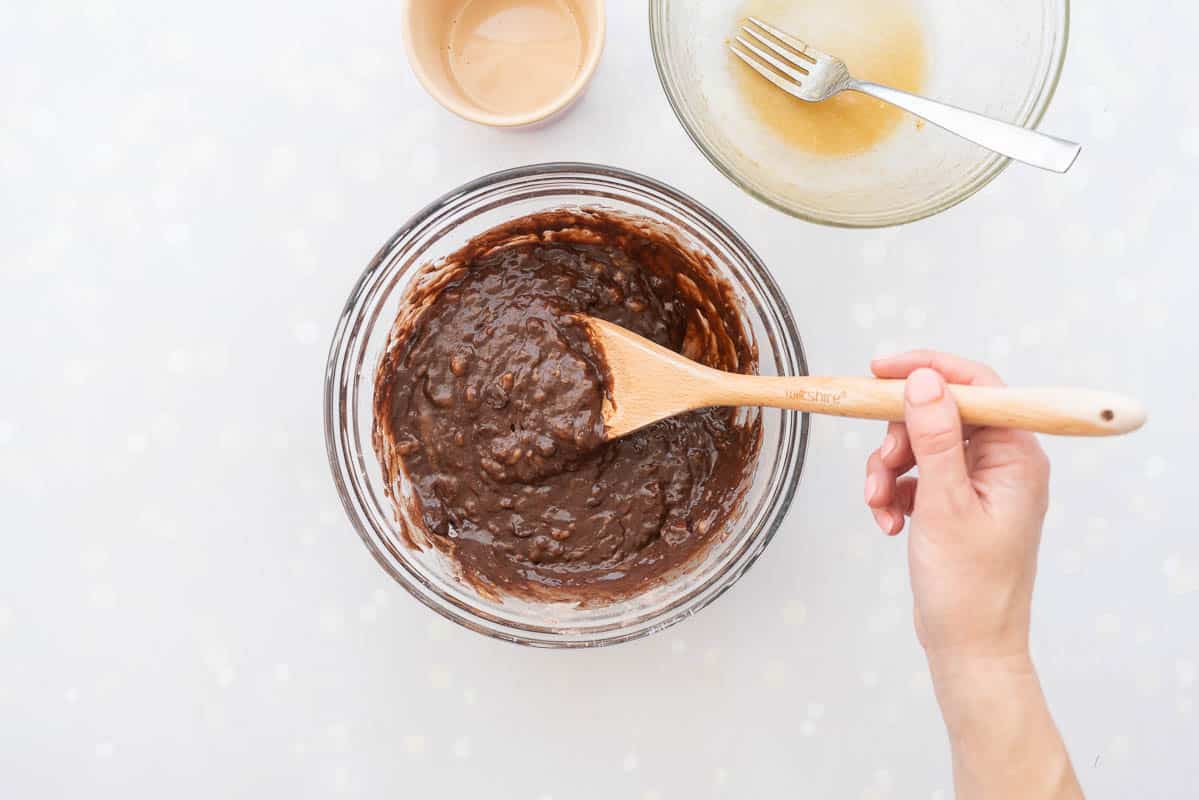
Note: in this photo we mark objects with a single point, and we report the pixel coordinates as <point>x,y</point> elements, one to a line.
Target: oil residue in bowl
<point>879,40</point>
<point>515,56</point>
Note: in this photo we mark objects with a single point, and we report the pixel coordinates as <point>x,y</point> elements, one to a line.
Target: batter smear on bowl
<point>879,40</point>
<point>488,410</point>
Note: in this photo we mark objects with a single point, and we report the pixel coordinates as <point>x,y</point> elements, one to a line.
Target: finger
<point>955,369</point>
<point>887,521</point>
<point>935,431</point>
<point>896,450</point>
<point>880,482</point>
<point>903,500</point>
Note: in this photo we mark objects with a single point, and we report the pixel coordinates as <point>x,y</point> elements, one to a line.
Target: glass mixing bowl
<point>1000,59</point>
<point>361,337</point>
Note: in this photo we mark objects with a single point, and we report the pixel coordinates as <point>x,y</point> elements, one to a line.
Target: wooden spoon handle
<point>1065,412</point>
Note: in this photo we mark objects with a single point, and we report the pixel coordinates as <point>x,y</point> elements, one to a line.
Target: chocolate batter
<point>489,399</point>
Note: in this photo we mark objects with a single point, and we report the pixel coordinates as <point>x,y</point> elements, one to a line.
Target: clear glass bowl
<point>1001,59</point>
<point>361,336</point>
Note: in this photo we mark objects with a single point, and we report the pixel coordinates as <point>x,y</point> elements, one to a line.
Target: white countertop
<point>187,194</point>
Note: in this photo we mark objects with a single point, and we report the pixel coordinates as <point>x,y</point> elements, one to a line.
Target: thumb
<point>935,430</point>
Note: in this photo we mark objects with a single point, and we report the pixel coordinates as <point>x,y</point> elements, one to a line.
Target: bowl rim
<point>789,460</point>
<point>991,167</point>
<point>473,113</point>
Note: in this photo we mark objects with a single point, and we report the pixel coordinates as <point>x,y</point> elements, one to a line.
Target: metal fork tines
<point>789,63</point>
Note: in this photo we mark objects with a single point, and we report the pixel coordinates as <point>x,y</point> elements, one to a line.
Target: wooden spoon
<point>649,383</point>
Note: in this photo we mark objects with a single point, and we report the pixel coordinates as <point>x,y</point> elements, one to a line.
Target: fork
<point>811,75</point>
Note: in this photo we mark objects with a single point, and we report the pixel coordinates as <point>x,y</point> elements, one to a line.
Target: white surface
<point>189,192</point>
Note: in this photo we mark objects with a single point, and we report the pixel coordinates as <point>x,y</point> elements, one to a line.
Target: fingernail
<point>871,488</point>
<point>889,445</point>
<point>883,518</point>
<point>924,387</point>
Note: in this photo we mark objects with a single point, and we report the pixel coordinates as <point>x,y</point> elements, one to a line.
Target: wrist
<point>971,687</point>
<point>1003,739</point>
<point>967,663</point>
<point>970,675</point>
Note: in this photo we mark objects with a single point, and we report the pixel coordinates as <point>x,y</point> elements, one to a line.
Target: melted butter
<point>880,41</point>
<point>515,56</point>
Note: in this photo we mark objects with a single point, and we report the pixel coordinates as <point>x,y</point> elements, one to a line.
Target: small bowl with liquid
<point>854,161</point>
<point>504,62</point>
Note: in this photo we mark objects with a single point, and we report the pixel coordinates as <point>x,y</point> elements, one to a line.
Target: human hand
<point>976,510</point>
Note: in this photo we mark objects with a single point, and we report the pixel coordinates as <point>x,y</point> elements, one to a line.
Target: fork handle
<point>1031,147</point>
